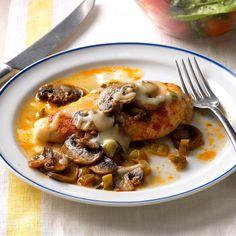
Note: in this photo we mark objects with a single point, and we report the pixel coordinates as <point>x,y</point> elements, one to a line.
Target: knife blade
<point>48,43</point>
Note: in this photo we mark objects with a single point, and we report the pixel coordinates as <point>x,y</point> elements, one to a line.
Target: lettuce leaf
<point>195,9</point>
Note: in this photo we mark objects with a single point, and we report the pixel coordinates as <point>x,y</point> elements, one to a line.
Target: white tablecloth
<point>211,212</point>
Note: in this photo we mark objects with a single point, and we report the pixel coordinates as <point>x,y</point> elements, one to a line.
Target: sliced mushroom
<point>113,96</point>
<point>125,169</point>
<point>104,167</point>
<point>128,177</point>
<point>83,120</point>
<point>82,151</point>
<point>69,175</point>
<point>37,161</point>
<point>60,94</point>
<point>58,162</point>
<point>49,160</point>
<point>190,132</point>
<point>149,95</point>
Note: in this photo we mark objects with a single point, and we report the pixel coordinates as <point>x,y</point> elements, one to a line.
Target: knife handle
<point>6,72</point>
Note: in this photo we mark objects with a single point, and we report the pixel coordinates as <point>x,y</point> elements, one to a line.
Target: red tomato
<point>233,14</point>
<point>216,26</point>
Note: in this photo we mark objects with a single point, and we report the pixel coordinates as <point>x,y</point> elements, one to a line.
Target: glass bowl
<point>192,18</point>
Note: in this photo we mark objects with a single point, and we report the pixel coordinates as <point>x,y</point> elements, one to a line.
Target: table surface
<point>210,212</point>
<point>4,8</point>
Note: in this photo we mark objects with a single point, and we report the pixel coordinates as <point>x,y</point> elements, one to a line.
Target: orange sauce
<point>221,136</point>
<point>207,155</point>
<point>162,177</point>
<point>211,141</point>
<point>208,124</point>
<point>214,137</point>
<point>131,72</point>
<point>157,180</point>
<point>90,79</point>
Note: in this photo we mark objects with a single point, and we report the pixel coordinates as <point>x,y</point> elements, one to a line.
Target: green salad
<point>205,17</point>
<point>189,10</point>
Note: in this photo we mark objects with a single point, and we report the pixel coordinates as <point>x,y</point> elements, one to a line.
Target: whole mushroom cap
<point>59,94</point>
<point>186,131</point>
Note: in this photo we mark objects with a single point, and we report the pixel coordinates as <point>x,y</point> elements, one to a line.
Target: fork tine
<point>193,90</point>
<point>203,81</point>
<point>181,79</point>
<point>198,85</point>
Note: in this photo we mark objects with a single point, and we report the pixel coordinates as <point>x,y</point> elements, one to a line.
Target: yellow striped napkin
<point>24,201</point>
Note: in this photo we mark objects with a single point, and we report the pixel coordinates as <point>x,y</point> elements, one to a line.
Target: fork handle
<point>228,127</point>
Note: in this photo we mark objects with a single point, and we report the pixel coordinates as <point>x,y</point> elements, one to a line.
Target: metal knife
<point>48,43</point>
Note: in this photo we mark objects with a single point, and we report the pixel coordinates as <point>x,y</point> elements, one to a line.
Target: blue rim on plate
<point>124,203</point>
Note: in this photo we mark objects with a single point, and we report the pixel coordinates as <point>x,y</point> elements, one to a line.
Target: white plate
<point>157,62</point>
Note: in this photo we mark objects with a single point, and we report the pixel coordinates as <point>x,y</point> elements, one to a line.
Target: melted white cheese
<point>44,131</point>
<point>99,119</point>
<point>104,125</point>
<point>114,133</point>
<point>152,93</point>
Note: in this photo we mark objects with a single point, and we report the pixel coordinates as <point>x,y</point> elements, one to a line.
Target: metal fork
<point>196,86</point>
